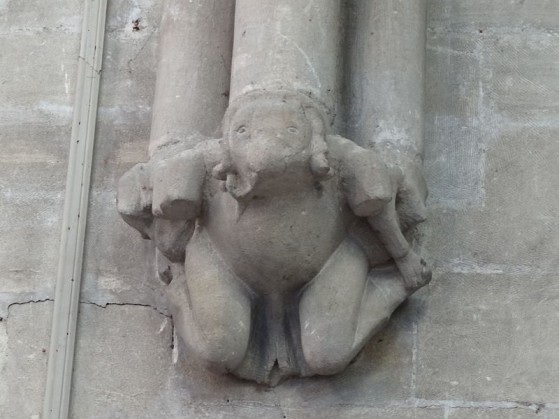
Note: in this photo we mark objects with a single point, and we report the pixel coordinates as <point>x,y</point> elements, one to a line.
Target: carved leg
<point>341,309</point>
<point>211,307</point>
<point>329,309</point>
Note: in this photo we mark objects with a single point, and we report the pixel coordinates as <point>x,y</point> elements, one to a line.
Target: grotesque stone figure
<point>282,238</point>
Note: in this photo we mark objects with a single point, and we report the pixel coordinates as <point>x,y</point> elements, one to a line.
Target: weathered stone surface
<point>496,413</point>
<point>32,169</point>
<point>30,228</point>
<point>55,53</point>
<point>24,340</point>
<point>492,109</point>
<point>29,17</point>
<point>493,101</point>
<point>484,244</point>
<point>487,338</point>
<point>35,122</point>
<point>128,77</point>
<point>493,15</point>
<point>511,87</point>
<point>123,357</point>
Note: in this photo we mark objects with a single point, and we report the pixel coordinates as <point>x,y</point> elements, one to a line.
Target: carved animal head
<point>273,141</point>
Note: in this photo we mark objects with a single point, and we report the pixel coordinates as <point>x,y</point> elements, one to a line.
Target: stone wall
<point>479,342</point>
<point>39,45</point>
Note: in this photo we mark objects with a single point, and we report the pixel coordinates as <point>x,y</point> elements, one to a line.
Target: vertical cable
<point>66,303</point>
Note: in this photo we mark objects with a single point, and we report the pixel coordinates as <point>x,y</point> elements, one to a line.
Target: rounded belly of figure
<point>278,244</point>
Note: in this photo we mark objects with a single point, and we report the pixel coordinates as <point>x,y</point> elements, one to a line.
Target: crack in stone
<point>105,305</point>
<point>21,303</point>
<point>463,404</point>
<point>277,404</point>
<point>137,54</point>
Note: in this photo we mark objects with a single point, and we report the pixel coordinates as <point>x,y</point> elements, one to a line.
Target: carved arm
<point>162,198</point>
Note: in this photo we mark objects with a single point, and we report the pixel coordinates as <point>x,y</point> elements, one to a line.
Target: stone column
<point>385,73</point>
<point>289,44</point>
<point>192,89</point>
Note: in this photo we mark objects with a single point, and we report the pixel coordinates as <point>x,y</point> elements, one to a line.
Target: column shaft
<point>289,44</point>
<point>385,73</point>
<point>193,75</point>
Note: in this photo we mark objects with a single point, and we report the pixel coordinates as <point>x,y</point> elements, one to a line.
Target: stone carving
<point>279,237</point>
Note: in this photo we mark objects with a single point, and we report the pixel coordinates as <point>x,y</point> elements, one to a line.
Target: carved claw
<point>414,270</point>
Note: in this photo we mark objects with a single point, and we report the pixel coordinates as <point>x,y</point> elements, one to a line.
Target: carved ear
<point>319,149</point>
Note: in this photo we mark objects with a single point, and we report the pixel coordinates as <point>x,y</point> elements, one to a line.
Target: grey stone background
<point>481,341</point>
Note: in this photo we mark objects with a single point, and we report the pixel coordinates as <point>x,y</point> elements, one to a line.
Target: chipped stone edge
<point>66,300</point>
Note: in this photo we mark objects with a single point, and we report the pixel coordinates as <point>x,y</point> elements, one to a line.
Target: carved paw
<point>414,270</point>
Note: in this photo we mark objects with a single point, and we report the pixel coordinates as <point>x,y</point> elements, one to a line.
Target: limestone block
<point>490,94</point>
<point>482,87</point>
<point>487,338</point>
<point>519,77</point>
<point>453,68</point>
<point>33,171</point>
<point>496,413</point>
<point>55,53</point>
<point>490,15</point>
<point>24,341</point>
<point>123,355</point>
<point>26,17</point>
<point>477,240</point>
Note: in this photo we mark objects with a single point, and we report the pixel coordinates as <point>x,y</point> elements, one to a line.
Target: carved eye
<point>241,130</point>
<point>292,130</point>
